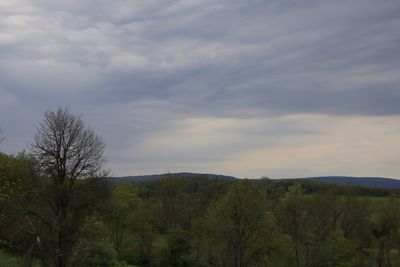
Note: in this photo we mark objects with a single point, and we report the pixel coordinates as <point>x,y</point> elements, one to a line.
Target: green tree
<point>19,184</point>
<point>331,236</point>
<point>335,251</point>
<point>123,202</point>
<point>176,251</point>
<point>292,219</point>
<point>94,247</point>
<point>16,174</point>
<point>130,221</point>
<point>387,231</point>
<point>171,203</point>
<point>240,228</point>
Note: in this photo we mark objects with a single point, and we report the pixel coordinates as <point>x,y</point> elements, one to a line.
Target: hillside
<point>359,181</point>
<point>377,182</point>
<point>155,177</point>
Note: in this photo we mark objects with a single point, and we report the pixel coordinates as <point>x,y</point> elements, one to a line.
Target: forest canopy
<point>58,208</point>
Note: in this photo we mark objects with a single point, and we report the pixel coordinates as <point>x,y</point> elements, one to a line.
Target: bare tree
<point>66,148</point>
<point>67,152</point>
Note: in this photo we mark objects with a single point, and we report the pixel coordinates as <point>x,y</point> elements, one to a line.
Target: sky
<point>251,88</point>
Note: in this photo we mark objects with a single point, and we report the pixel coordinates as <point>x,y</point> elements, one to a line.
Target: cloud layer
<point>235,87</point>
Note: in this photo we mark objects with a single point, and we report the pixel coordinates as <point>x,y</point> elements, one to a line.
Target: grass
<point>9,260</point>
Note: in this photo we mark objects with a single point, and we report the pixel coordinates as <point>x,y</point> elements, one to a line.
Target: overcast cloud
<point>247,88</point>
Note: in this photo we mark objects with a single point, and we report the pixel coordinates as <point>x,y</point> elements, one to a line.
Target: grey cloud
<point>138,67</point>
<point>229,51</point>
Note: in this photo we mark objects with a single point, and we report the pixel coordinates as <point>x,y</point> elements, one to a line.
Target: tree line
<point>57,208</point>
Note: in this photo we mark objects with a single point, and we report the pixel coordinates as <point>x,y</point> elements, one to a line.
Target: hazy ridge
<point>379,182</point>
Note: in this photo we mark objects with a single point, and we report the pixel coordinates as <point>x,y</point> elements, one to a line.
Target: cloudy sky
<point>247,88</point>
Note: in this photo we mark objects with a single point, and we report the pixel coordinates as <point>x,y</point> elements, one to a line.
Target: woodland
<point>59,207</point>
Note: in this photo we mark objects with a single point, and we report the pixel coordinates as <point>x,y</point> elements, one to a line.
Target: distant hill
<point>378,182</point>
<point>155,177</point>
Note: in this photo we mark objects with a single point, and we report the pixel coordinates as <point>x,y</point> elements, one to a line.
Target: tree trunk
<point>62,245</point>
<point>61,260</point>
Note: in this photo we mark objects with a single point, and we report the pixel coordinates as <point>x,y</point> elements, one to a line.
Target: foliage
<point>196,222</point>
<point>176,251</point>
<point>93,247</point>
<point>9,260</point>
<point>17,173</point>
<point>234,226</point>
<point>129,218</point>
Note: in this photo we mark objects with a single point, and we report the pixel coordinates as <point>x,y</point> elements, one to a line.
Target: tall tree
<point>68,152</point>
<point>240,229</point>
<point>292,217</point>
<point>386,231</point>
<point>18,184</point>
<point>17,174</point>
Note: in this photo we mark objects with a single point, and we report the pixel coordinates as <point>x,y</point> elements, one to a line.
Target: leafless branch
<point>66,148</point>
